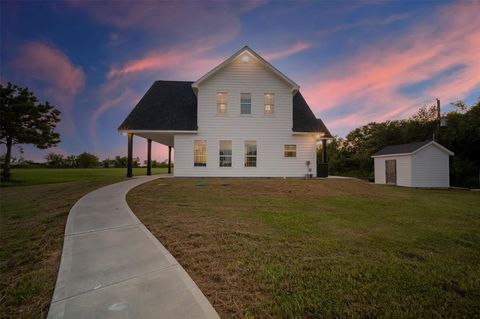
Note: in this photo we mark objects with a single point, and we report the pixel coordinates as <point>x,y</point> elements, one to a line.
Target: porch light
<point>124,133</point>
<point>318,136</point>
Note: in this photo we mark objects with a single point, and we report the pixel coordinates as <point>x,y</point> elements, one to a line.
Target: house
<point>244,118</point>
<point>422,164</point>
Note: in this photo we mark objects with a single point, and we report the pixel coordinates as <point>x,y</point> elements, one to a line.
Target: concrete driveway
<point>113,267</point>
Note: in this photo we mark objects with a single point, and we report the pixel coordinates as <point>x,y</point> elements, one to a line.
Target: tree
<point>87,160</point>
<point>23,120</point>
<point>55,160</point>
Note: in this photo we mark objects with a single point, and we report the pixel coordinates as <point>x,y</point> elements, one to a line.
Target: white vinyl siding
<point>270,132</point>
<point>404,170</point>
<point>430,168</point>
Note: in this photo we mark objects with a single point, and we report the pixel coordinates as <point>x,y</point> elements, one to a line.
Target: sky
<point>355,62</point>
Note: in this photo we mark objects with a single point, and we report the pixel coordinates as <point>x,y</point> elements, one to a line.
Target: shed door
<point>391,171</point>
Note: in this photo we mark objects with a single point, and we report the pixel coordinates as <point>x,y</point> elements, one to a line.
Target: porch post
<point>149,157</point>
<point>130,155</point>
<point>324,151</point>
<point>169,160</point>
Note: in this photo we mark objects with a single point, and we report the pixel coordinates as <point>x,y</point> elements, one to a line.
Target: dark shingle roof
<point>172,105</point>
<point>303,118</point>
<point>402,148</point>
<point>167,105</point>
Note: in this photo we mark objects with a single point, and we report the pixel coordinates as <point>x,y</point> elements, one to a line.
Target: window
<point>250,153</point>
<point>290,150</point>
<point>245,103</point>
<point>200,153</point>
<point>225,153</point>
<point>222,99</point>
<point>269,103</point>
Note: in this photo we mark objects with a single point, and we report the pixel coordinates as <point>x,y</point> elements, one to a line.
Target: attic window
<point>269,103</point>
<point>222,98</point>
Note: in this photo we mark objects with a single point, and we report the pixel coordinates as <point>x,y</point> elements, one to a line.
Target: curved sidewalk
<point>113,267</point>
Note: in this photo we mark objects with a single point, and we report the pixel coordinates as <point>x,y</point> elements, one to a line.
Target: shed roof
<point>172,106</point>
<point>409,148</point>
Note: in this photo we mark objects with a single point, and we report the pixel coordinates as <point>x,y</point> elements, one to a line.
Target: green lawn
<point>36,176</point>
<point>271,248</point>
<point>34,211</point>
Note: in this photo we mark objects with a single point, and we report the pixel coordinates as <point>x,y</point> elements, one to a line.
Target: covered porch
<point>165,138</point>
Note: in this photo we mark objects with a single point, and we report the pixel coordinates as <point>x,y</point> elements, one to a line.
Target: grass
<point>37,176</point>
<point>270,248</point>
<point>34,211</point>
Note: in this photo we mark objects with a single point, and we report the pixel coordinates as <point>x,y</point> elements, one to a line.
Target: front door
<point>391,172</point>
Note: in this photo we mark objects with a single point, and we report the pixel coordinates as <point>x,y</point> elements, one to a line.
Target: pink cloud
<point>369,84</point>
<point>282,54</point>
<point>128,97</point>
<point>61,79</point>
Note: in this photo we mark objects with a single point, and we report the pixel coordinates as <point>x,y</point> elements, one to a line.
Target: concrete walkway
<point>113,267</point>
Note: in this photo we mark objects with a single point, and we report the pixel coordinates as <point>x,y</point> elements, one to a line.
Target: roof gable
<point>247,53</point>
<point>409,149</point>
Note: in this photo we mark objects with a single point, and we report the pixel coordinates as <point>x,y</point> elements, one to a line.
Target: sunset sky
<point>355,62</point>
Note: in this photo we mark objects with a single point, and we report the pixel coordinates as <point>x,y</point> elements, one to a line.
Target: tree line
<point>351,156</point>
<point>83,160</point>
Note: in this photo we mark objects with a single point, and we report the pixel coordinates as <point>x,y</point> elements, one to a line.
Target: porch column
<point>169,160</point>
<point>324,151</point>
<point>130,155</point>
<point>149,157</point>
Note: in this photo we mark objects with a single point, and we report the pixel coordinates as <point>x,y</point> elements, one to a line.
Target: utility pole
<point>439,118</point>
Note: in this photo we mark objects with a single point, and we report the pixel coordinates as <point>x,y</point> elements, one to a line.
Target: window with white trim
<point>245,103</point>
<point>250,153</point>
<point>200,153</point>
<point>269,103</point>
<point>225,154</point>
<point>222,102</point>
<point>290,150</point>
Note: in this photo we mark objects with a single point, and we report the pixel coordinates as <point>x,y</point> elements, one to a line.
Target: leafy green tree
<point>55,160</point>
<point>120,161</point>
<point>87,160</point>
<point>23,120</point>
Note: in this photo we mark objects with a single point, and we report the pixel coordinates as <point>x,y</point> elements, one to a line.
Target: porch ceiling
<point>159,137</point>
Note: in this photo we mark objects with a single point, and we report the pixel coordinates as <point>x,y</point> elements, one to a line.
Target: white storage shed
<point>422,164</point>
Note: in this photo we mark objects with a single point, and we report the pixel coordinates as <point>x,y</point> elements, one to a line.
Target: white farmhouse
<point>243,118</point>
<point>422,164</point>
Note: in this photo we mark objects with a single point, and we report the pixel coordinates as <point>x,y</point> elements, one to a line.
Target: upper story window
<point>222,102</point>
<point>269,103</point>
<point>245,103</point>
<point>200,153</point>
<point>225,154</point>
<point>290,150</point>
<point>250,153</point>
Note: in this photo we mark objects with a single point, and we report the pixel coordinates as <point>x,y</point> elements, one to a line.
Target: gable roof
<point>248,51</point>
<point>410,148</point>
<point>167,106</point>
<point>303,118</point>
